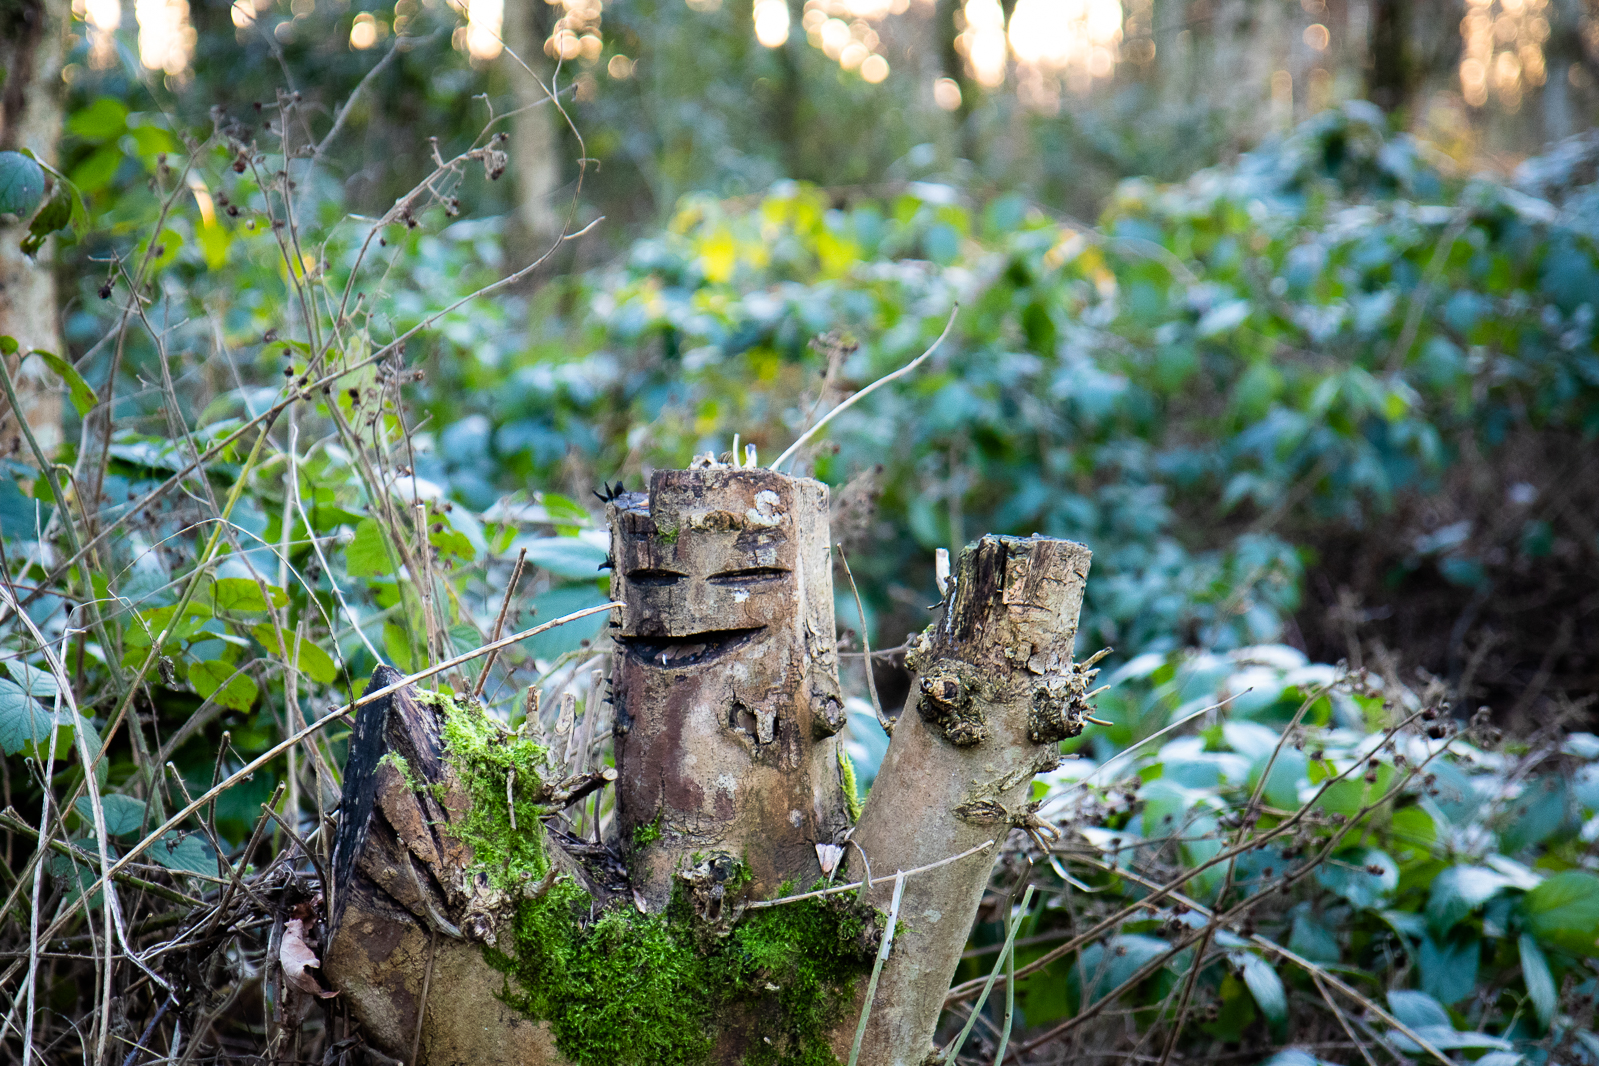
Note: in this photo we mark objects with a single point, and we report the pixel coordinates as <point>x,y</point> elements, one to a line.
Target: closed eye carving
<point>749,576</point>
<point>654,578</point>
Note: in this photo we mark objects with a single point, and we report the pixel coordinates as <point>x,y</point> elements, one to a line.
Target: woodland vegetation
<point>395,395</point>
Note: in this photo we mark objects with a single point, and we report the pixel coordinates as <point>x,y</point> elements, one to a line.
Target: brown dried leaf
<point>297,957</point>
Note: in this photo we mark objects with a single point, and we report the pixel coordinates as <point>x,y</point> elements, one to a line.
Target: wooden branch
<point>994,692</point>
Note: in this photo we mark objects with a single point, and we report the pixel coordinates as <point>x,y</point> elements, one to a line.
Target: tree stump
<point>466,926</point>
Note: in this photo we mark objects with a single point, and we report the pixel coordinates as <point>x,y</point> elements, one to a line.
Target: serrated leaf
<point>216,680</point>
<point>368,554</point>
<point>40,684</point>
<point>244,594</point>
<point>314,662</point>
<point>124,815</point>
<point>84,399</point>
<point>190,852</point>
<point>23,719</point>
<point>21,184</point>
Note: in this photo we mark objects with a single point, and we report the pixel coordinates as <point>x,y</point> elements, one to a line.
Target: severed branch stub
<point>994,691</point>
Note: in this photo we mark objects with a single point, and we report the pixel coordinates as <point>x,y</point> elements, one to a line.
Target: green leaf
<point>189,852</point>
<point>1460,890</point>
<point>1563,912</point>
<point>124,815</point>
<point>566,556</point>
<point>40,684</point>
<point>368,554</point>
<point>1267,988</point>
<point>21,184</point>
<point>210,677</point>
<point>166,247</point>
<point>23,719</point>
<point>1449,966</point>
<point>244,594</point>
<point>101,120</point>
<point>55,214</point>
<point>1540,982</point>
<point>8,346</point>
<point>84,399</point>
<point>314,662</point>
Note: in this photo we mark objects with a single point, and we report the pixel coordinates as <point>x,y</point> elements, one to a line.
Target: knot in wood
<point>946,702</point>
<point>1060,703</point>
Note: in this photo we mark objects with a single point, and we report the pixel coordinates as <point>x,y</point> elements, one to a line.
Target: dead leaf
<point>297,957</point>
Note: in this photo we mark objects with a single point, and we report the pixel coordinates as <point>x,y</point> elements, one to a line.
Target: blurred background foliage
<point>1286,310</point>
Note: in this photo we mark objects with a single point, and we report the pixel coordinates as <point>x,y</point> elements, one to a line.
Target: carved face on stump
<point>726,684</point>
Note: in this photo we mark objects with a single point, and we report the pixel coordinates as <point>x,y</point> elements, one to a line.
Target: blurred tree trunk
<point>535,133</point>
<point>32,47</point>
<point>1390,62</point>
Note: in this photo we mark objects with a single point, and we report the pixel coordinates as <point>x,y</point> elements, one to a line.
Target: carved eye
<point>750,576</point>
<point>654,578</point>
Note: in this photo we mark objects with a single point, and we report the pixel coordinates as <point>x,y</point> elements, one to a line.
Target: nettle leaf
<point>244,594</point>
<point>1563,912</point>
<point>84,399</point>
<point>40,684</point>
<point>124,815</point>
<point>24,720</point>
<point>314,662</point>
<point>368,554</point>
<point>21,184</point>
<point>216,680</point>
<point>188,852</point>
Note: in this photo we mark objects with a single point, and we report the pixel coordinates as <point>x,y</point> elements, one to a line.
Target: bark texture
<point>32,46</point>
<point>994,692</point>
<point>726,677</point>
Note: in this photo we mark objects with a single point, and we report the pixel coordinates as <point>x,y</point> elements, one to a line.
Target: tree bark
<point>535,144</point>
<point>32,46</point>
<point>994,692</point>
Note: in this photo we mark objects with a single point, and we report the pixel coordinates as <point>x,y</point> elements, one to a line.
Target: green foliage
<point>639,990</point>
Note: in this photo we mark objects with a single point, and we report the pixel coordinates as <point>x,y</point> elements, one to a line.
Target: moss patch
<point>485,756</point>
<point>630,989</point>
<point>846,777</point>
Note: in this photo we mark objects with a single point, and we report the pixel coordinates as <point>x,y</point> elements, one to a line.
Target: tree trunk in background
<point>995,691</point>
<point>535,133</point>
<point>1390,62</point>
<point>730,790</point>
<point>32,45</point>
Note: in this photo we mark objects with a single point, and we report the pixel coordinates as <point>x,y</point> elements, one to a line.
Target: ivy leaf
<point>368,555</point>
<point>314,662</point>
<point>1540,982</point>
<point>215,680</point>
<point>1267,988</point>
<point>21,184</point>
<point>84,399</point>
<point>566,556</point>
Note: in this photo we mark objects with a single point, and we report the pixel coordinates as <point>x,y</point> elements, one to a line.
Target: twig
<point>1005,952</point>
<point>867,391</point>
<point>499,623</point>
<point>866,645</point>
<point>763,903</point>
<point>877,967</point>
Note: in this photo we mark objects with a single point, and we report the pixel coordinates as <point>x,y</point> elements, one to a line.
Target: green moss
<point>484,755</point>
<point>846,774</point>
<point>667,536</point>
<point>631,989</point>
<point>645,835</point>
<point>398,761</point>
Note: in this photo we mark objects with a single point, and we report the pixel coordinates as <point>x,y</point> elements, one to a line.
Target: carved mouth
<point>693,650</point>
